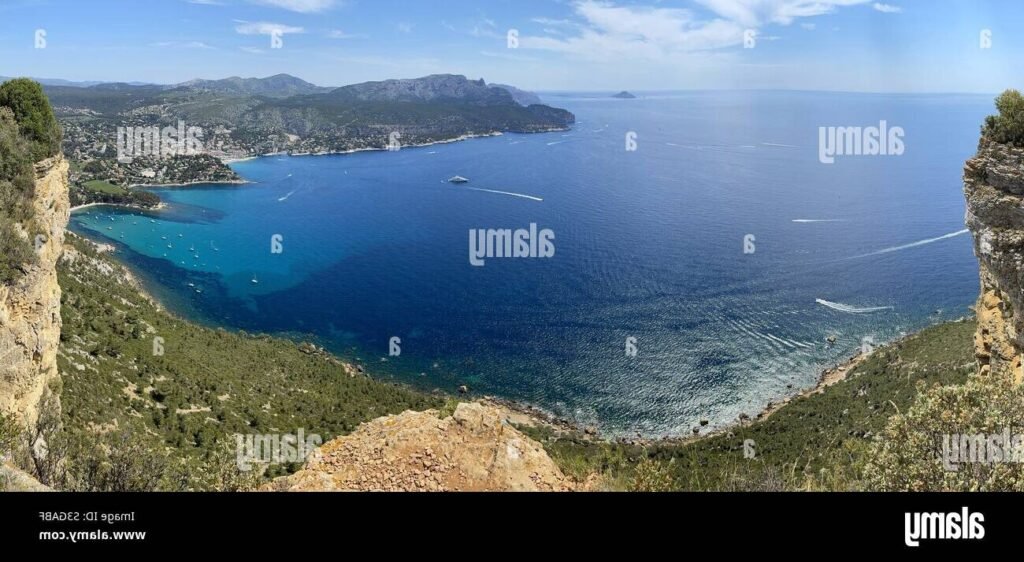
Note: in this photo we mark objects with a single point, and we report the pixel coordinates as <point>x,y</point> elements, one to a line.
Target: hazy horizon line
<point>92,83</point>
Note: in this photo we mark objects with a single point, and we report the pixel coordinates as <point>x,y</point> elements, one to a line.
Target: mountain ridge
<point>278,85</point>
<point>285,115</point>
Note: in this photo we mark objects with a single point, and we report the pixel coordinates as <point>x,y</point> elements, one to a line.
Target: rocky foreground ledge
<point>474,449</point>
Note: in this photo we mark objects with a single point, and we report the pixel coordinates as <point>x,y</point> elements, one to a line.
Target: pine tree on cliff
<point>1008,126</point>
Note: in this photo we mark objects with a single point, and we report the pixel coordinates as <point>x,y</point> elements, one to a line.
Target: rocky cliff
<point>994,188</point>
<point>30,307</point>
<point>474,449</point>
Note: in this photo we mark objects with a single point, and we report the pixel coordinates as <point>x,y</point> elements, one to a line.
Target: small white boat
<point>254,281</point>
<point>458,179</point>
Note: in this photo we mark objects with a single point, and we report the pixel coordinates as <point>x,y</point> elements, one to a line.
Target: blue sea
<point>721,250</point>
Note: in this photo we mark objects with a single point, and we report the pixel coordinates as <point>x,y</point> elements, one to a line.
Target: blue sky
<point>851,45</point>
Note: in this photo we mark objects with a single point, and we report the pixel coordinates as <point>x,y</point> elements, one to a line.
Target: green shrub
<point>34,115</point>
<point>652,476</point>
<point>28,133</point>
<point>17,177</point>
<point>15,252</point>
<point>448,409</point>
<point>916,451</point>
<point>17,182</point>
<point>1008,126</point>
<point>8,435</point>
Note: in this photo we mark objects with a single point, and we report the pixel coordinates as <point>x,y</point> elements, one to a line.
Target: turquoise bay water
<point>649,245</point>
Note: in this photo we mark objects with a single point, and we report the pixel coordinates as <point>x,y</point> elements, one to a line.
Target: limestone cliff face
<point>30,308</point>
<point>474,449</point>
<point>994,188</point>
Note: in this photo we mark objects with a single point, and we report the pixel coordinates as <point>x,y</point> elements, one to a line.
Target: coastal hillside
<point>240,118</point>
<point>179,393</point>
<point>134,420</point>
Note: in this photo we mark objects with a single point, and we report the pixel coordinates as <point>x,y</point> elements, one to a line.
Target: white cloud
<point>301,6</point>
<point>809,26</point>
<point>554,23</point>
<point>481,27</point>
<point>485,28</point>
<point>181,45</point>
<point>611,32</point>
<point>405,27</point>
<point>603,30</point>
<point>339,34</point>
<point>886,8</point>
<point>265,28</point>
<point>755,13</point>
<point>253,50</point>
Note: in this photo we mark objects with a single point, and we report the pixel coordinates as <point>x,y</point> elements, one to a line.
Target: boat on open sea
<point>458,179</point>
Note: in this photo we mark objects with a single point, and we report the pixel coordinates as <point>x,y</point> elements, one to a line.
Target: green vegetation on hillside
<point>241,124</point>
<point>17,184</point>
<point>32,111</point>
<point>1008,126</point>
<point>818,442</point>
<point>167,410</point>
<point>108,192</point>
<point>8,441</point>
<point>28,133</point>
<point>917,451</point>
<point>8,435</point>
<point>105,187</point>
